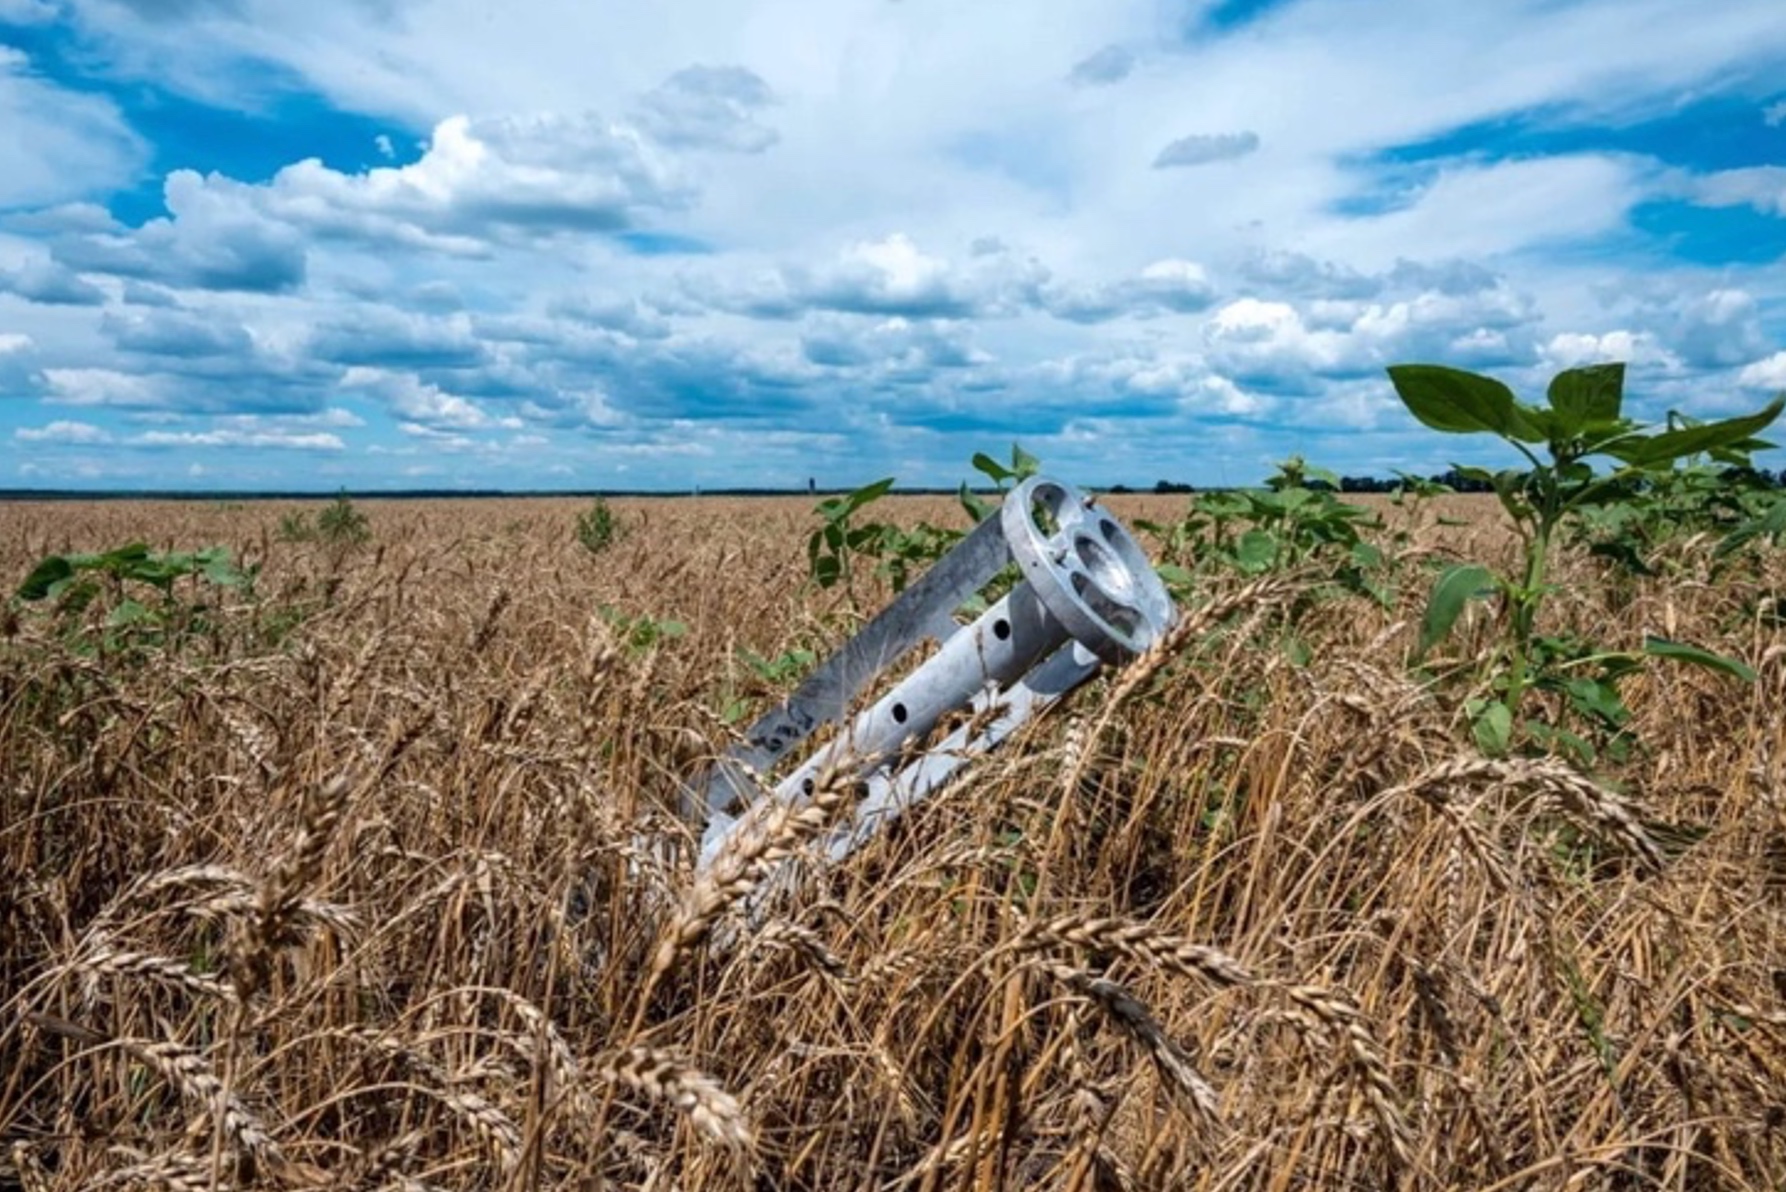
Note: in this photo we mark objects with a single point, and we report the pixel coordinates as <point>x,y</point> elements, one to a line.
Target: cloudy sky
<point>574,243</point>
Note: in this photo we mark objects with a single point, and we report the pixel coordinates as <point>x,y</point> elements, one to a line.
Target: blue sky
<point>570,244</point>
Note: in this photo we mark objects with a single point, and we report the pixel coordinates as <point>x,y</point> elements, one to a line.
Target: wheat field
<point>375,881</point>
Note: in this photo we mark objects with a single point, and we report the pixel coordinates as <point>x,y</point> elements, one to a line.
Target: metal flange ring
<point>1089,571</point>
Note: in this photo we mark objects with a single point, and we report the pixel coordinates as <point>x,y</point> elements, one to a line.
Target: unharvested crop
<point>372,878</point>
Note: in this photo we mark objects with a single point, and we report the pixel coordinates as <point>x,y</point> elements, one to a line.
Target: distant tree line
<point>1748,477</point>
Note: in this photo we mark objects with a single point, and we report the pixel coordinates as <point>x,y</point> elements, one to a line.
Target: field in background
<point>365,881</point>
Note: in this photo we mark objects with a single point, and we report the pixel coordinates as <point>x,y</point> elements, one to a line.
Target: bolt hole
<point>899,713</point>
<point>1001,629</point>
<point>806,787</point>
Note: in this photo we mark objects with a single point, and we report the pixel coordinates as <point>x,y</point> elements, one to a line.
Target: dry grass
<point>391,894</point>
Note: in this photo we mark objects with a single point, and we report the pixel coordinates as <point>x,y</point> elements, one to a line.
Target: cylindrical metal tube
<point>997,649</point>
<point>1084,580</point>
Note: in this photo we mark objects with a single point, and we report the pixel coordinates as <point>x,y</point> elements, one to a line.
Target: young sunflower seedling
<point>1583,421</point>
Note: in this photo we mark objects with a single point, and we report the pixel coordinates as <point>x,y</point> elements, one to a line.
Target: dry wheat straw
<point>389,1159</point>
<point>1141,942</point>
<point>1340,1013</point>
<point>486,1120</point>
<point>281,898</point>
<point>1132,1018</point>
<point>175,1171</point>
<point>355,674</point>
<point>190,1072</point>
<point>740,866</point>
<point>803,942</point>
<point>28,1170</point>
<point>943,1156</point>
<point>1599,810</point>
<point>108,960</point>
<point>713,1111</point>
<point>1088,1111</point>
<point>143,794</point>
<point>560,1062</point>
<point>190,875</point>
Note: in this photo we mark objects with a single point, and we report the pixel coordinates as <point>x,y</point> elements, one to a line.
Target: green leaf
<point>866,494</point>
<point>1175,576</point>
<point>1288,500</point>
<point>1624,552</point>
<point>160,572</point>
<point>1329,478</point>
<point>1457,585</point>
<point>223,573</point>
<point>1366,555</point>
<point>128,612</point>
<point>977,509</point>
<point>1606,490</point>
<point>1771,524</point>
<point>1023,464</point>
<point>1646,451</point>
<point>1492,726</point>
<point>123,556</point>
<point>45,575</point>
<point>1564,740</point>
<point>1255,551</point>
<point>1587,397</point>
<point>74,594</point>
<point>1541,425</point>
<point>1458,402</point>
<point>1596,698</point>
<point>1659,647</point>
<point>991,468</point>
<point>1510,487</point>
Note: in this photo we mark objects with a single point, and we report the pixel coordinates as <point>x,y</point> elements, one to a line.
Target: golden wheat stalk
<point>803,942</point>
<point>739,866</point>
<point>188,1071</point>
<point>1602,812</point>
<point>1131,1017</point>
<point>106,960</point>
<point>486,1120</point>
<point>1142,943</point>
<point>174,1171</point>
<point>714,1112</point>
<point>379,1166</point>
<point>1341,1015</point>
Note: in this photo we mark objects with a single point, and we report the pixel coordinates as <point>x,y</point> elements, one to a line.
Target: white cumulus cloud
<point>60,144</point>
<point>283,440</point>
<point>1760,187</point>
<point>1571,349</point>
<point>1769,373</point>
<point>478,178</point>
<point>62,431</point>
